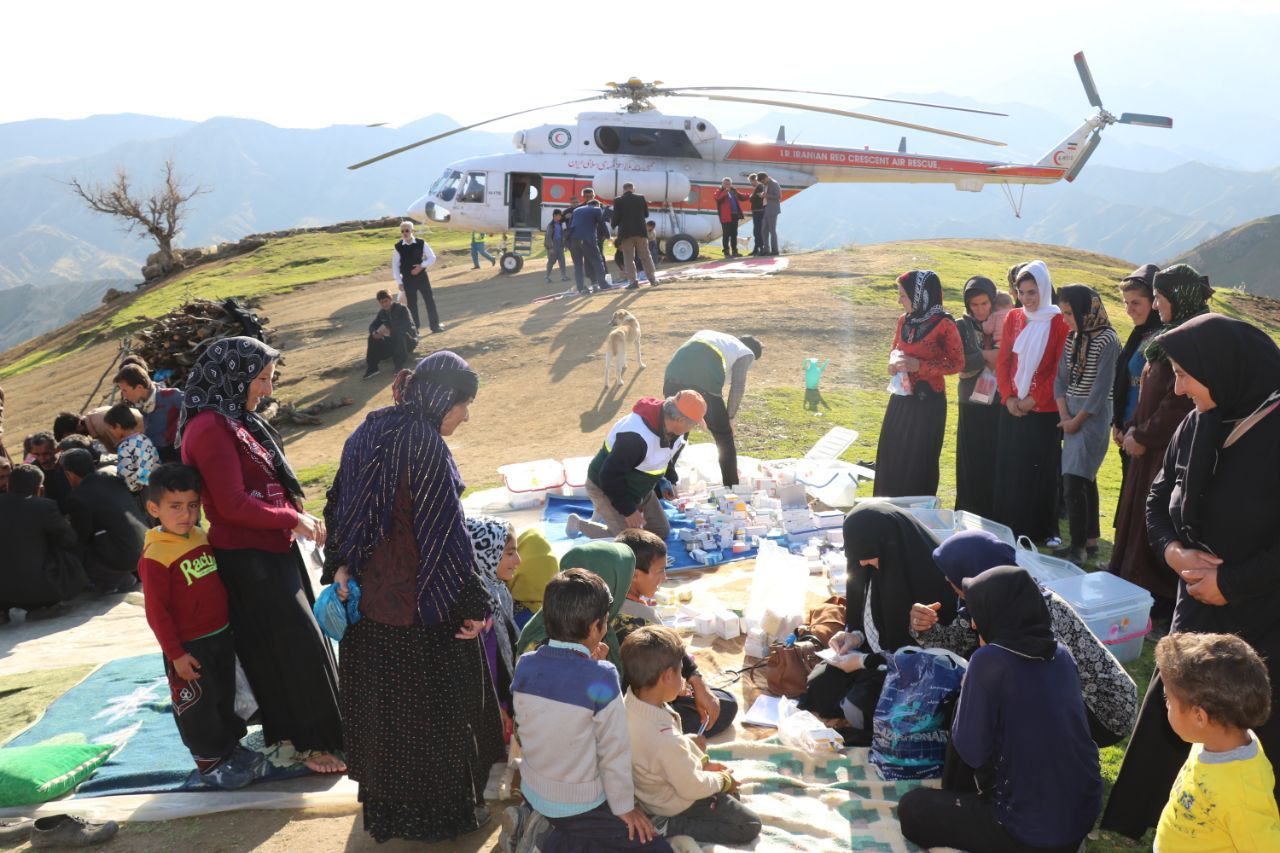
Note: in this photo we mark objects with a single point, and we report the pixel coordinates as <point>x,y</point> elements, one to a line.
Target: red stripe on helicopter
<point>801,155</point>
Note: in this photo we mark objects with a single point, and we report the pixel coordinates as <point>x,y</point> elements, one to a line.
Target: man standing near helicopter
<point>585,222</point>
<point>630,212</point>
<point>773,205</point>
<point>409,265</point>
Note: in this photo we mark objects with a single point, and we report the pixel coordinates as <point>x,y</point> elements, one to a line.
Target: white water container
<point>575,476</point>
<point>1116,611</point>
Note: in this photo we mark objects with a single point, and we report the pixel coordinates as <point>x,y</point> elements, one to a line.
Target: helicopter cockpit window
<point>446,186</point>
<point>645,141</point>
<point>473,188</point>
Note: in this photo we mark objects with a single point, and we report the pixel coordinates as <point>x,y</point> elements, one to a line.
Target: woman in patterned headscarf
<point>926,348</point>
<point>1180,294</point>
<point>422,721</point>
<point>254,505</point>
<point>978,422</point>
<point>497,558</point>
<point>1082,391</point>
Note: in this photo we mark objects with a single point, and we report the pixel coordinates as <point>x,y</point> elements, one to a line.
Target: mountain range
<point>1135,200</point>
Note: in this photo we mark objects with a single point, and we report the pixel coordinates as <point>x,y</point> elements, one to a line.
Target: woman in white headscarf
<point>1027,464</point>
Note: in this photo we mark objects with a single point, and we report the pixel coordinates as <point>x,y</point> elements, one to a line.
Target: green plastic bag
<point>36,774</point>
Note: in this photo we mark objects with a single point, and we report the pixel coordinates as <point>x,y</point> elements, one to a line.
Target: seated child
<point>493,541</point>
<point>993,326</point>
<point>675,782</point>
<point>1216,689</point>
<point>717,706</point>
<point>572,726</point>
<point>136,456</point>
<point>538,565</point>
<point>186,607</point>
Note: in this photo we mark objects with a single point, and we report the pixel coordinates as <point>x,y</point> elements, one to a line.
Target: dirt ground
<point>541,365</point>
<point>541,368</point>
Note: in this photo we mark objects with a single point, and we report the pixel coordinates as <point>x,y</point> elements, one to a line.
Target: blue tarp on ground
<point>558,508</point>
<point>126,703</point>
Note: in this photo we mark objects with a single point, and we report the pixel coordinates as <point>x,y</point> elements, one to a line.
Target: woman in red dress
<point>1029,441</point>
<point>926,348</point>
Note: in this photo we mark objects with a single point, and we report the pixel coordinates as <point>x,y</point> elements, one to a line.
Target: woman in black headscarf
<point>978,422</point>
<point>890,557</point>
<point>254,505</point>
<point>423,726</point>
<point>1180,294</point>
<point>1021,726</point>
<point>926,348</point>
<point>1138,297</point>
<point>1212,520</point>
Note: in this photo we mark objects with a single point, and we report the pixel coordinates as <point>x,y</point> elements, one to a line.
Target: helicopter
<point>677,162</point>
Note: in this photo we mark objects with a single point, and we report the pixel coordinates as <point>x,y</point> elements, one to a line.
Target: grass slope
<point>278,267</point>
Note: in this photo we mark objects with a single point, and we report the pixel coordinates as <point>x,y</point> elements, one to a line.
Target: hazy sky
<point>315,64</point>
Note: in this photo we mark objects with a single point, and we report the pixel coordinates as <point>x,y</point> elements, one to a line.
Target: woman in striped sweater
<point>1083,394</point>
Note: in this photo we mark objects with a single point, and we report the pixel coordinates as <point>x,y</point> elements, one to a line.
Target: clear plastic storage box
<point>1116,611</point>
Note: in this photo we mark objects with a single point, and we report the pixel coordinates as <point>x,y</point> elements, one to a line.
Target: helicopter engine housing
<point>656,187</point>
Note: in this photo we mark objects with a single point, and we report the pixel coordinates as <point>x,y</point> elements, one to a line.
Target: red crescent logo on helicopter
<point>1062,158</point>
<point>559,138</point>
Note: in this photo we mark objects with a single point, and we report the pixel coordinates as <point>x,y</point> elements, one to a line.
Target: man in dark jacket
<point>757,214</point>
<point>108,521</point>
<point>45,450</point>
<point>630,212</point>
<point>636,462</point>
<point>584,225</point>
<point>392,335</point>
<point>40,570</point>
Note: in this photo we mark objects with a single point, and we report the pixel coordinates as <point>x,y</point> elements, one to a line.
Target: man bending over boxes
<point>636,463</point>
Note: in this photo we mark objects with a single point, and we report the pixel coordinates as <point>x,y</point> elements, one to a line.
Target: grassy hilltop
<point>540,364</point>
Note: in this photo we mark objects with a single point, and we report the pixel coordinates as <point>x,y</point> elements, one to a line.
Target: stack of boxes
<point>728,523</point>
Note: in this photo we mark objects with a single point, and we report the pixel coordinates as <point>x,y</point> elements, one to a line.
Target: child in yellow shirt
<point>1216,689</point>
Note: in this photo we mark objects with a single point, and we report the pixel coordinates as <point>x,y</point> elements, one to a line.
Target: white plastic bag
<point>776,603</point>
<point>984,389</point>
<point>900,384</point>
<point>802,730</point>
<point>246,703</point>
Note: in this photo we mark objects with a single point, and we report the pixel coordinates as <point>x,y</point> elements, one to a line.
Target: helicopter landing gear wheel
<point>682,248</point>
<point>511,263</point>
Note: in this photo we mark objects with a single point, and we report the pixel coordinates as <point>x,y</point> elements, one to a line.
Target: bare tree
<point>159,215</point>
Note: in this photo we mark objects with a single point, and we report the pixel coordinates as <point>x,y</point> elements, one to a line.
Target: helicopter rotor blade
<point>1083,156</point>
<point>831,111</point>
<point>1086,77</point>
<point>833,95</point>
<point>1145,120</point>
<point>403,148</point>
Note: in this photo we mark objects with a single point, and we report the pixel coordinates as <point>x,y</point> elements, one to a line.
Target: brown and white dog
<point>625,331</point>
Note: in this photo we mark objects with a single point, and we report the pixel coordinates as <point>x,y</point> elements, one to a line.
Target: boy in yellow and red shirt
<point>186,607</point>
<point>1216,689</point>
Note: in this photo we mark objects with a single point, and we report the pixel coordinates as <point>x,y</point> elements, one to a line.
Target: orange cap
<point>692,406</point>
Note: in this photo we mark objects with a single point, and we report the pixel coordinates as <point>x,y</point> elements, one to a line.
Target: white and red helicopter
<point>677,163</point>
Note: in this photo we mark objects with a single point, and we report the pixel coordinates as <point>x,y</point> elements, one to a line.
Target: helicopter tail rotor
<point>1104,118</point>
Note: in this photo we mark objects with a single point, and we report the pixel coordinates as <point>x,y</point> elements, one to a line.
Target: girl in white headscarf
<point>1027,461</point>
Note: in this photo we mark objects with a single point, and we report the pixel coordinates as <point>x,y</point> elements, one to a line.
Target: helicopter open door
<point>524,200</point>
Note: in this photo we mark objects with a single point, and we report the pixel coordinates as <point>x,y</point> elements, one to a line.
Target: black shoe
<point>53,611</point>
<point>476,267</point>
<point>71,831</point>
<point>1073,555</point>
<point>122,587</point>
<point>435,330</point>
<point>635,285</point>
<point>582,291</point>
<point>371,373</point>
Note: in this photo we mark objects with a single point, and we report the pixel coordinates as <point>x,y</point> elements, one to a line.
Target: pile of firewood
<point>174,341</point>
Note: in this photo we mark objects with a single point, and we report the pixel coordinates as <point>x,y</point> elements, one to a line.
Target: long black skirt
<point>423,729</point>
<point>1026,484</point>
<point>976,436</point>
<point>288,662</point>
<point>910,444</point>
